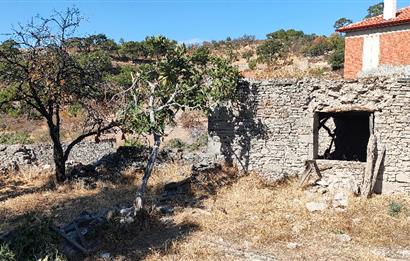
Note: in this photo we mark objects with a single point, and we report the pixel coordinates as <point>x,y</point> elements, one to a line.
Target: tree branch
<point>85,135</point>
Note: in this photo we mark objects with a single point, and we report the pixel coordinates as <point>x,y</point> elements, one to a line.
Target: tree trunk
<point>59,162</point>
<point>147,172</point>
<point>58,152</point>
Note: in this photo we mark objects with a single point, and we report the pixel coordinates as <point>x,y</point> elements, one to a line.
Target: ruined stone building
<point>281,124</point>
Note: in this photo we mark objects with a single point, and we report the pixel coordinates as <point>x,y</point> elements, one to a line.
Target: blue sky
<point>193,20</point>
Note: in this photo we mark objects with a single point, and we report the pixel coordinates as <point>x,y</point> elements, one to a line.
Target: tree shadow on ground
<point>237,125</point>
<point>131,241</point>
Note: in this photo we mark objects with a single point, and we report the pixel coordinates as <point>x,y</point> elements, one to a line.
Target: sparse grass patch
<point>192,119</point>
<point>176,143</point>
<point>18,137</point>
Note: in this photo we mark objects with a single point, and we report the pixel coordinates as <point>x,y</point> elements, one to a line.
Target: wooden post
<point>377,168</point>
<point>370,164</point>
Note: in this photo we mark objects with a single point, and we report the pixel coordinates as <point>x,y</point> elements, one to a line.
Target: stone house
<point>282,123</point>
<point>378,45</point>
<point>279,125</point>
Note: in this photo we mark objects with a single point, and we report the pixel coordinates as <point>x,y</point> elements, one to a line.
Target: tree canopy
<point>342,22</point>
<point>375,10</point>
<point>37,69</point>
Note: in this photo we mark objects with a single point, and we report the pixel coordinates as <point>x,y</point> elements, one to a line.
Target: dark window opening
<point>342,135</point>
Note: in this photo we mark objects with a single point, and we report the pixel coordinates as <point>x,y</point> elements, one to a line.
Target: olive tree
<point>175,81</point>
<point>37,69</point>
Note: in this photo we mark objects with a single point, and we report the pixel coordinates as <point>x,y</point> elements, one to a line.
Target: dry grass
<point>238,218</point>
<point>253,217</point>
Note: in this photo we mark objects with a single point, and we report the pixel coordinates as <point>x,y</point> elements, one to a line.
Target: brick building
<point>378,45</point>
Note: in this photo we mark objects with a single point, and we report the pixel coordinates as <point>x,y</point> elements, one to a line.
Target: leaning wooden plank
<point>317,170</point>
<point>74,243</point>
<point>80,236</point>
<point>377,168</point>
<point>370,163</point>
<point>306,174</point>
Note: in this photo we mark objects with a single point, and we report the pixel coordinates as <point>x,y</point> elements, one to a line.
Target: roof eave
<point>361,28</point>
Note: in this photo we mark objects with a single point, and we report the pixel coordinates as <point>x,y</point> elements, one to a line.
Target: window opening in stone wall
<point>342,135</point>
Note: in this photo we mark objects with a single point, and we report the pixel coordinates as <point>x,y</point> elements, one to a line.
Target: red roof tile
<point>403,17</point>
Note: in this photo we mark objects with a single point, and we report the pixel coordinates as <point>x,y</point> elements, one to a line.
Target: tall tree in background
<point>37,69</point>
<point>375,10</point>
<point>342,22</point>
<point>174,81</point>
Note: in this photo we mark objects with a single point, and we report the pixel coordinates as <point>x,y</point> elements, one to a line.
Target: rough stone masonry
<point>275,129</point>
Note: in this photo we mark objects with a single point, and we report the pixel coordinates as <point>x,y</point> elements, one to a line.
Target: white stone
<point>403,177</point>
<point>340,200</point>
<point>292,245</point>
<point>316,206</point>
<point>344,238</point>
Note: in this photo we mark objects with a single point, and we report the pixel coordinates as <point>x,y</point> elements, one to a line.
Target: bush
<point>74,110</point>
<point>248,55</point>
<point>6,254</point>
<point>337,59</point>
<point>15,138</point>
<point>133,142</point>
<point>201,142</point>
<point>34,240</point>
<point>252,64</point>
<point>320,46</point>
<point>176,144</point>
<point>395,209</point>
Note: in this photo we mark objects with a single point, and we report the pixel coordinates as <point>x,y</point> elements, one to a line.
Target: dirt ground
<point>230,217</point>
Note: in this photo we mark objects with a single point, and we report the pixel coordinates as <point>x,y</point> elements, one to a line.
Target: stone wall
<point>13,157</point>
<point>272,130</point>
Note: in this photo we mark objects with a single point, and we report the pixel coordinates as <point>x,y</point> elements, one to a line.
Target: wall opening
<point>342,135</point>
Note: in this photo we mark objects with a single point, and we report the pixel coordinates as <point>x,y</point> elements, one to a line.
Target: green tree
<point>342,22</point>
<point>337,58</point>
<point>375,10</point>
<point>248,54</point>
<point>176,80</point>
<point>278,44</point>
<point>132,51</point>
<point>37,69</point>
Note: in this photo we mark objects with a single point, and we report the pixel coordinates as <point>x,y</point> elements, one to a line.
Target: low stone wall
<point>19,156</point>
<point>341,174</point>
<point>272,130</point>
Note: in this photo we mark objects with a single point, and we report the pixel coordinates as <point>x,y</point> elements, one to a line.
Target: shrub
<point>176,144</point>
<point>133,142</point>
<point>337,59</point>
<point>15,138</point>
<point>34,240</point>
<point>395,209</point>
<point>75,110</point>
<point>200,142</point>
<point>6,254</point>
<point>252,64</point>
<point>248,55</point>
